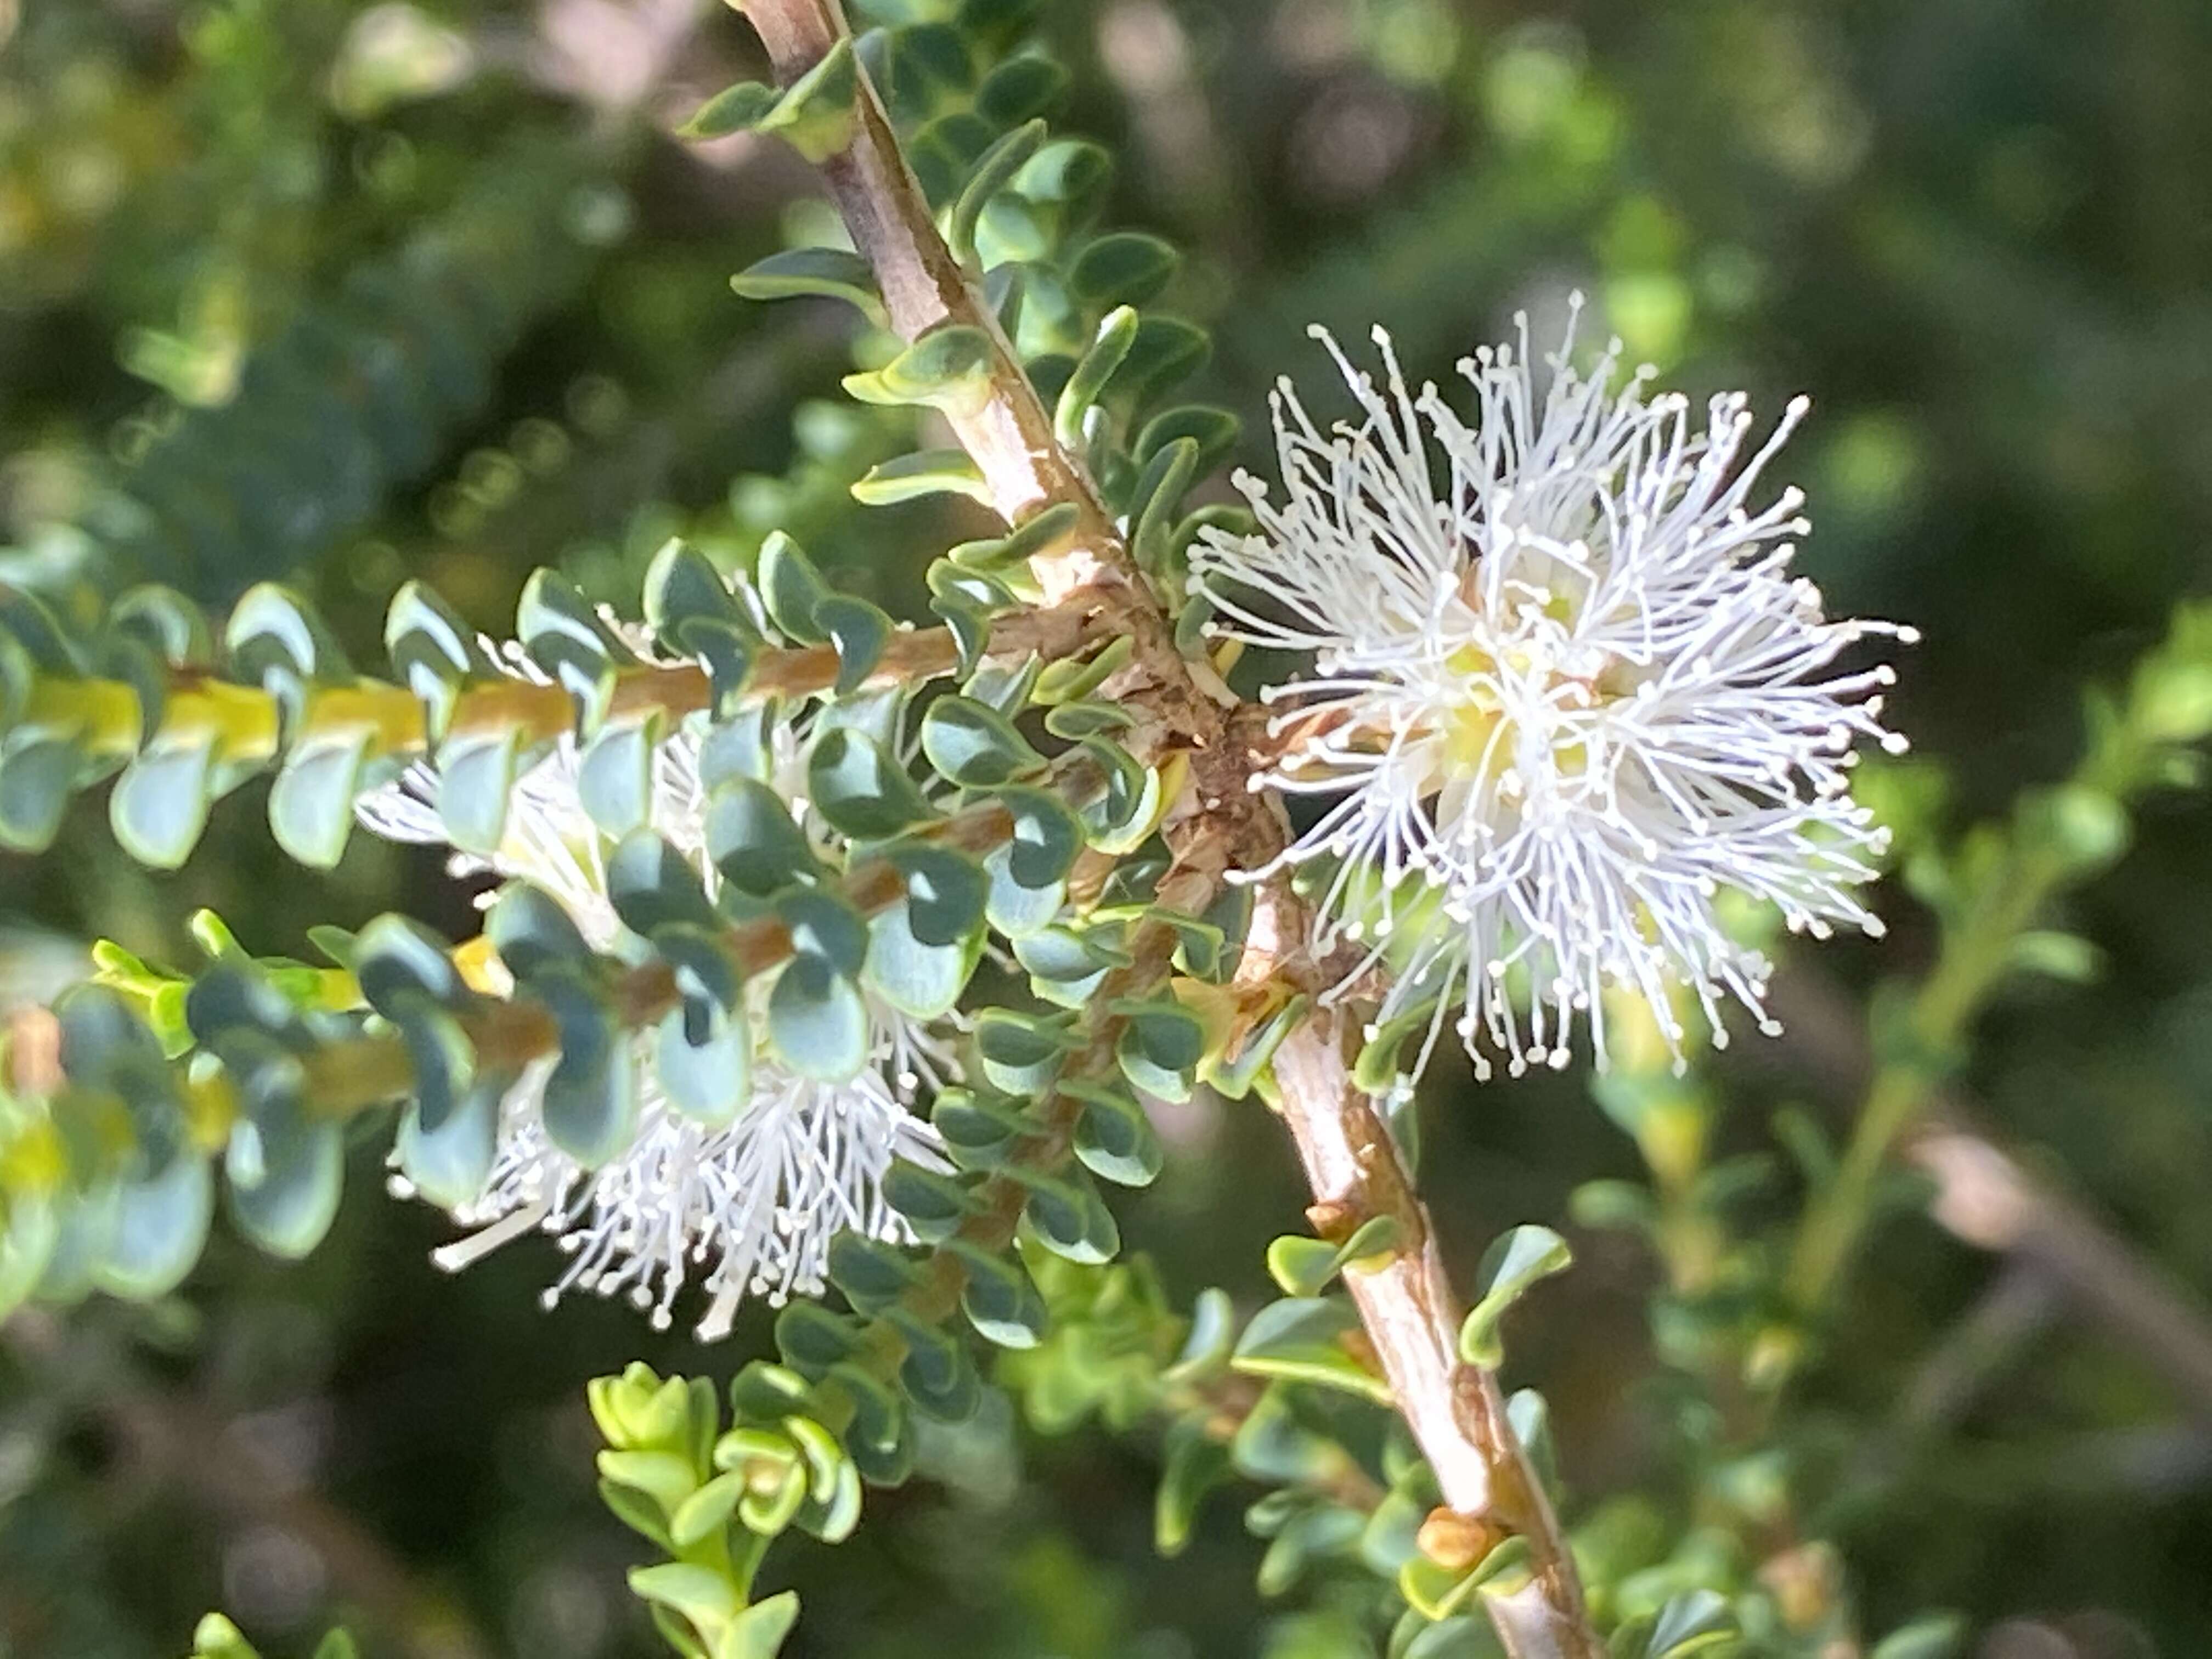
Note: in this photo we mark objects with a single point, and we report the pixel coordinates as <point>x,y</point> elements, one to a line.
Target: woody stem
<point>1455,1409</point>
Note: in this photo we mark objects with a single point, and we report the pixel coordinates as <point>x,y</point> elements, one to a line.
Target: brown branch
<point>1986,1197</point>
<point>537,709</point>
<point>347,1076</point>
<point>1456,1411</point>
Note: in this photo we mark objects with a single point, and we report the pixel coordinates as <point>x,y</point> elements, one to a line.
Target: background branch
<point>1986,1196</point>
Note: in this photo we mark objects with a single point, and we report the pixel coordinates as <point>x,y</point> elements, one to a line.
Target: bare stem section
<point>1412,1318</point>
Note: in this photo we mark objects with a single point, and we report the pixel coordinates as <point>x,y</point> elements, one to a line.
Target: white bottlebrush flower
<point>752,1206</point>
<point>1566,687</point>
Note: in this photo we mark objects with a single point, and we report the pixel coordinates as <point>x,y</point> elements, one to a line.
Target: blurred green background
<point>1979,233</point>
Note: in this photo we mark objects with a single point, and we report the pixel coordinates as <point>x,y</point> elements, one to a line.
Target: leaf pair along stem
<point>1455,1410</point>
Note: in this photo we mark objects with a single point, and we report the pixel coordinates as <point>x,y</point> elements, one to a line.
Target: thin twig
<point>1986,1197</point>
<point>1454,1410</point>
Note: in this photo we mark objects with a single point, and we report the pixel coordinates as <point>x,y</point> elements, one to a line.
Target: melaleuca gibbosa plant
<point>1548,733</point>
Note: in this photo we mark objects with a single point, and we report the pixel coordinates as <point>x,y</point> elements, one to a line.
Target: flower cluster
<point>754,1203</point>
<point>1567,693</point>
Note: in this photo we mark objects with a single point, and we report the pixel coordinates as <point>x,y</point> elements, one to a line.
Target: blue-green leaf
<point>860,790</point>
<point>161,1227</point>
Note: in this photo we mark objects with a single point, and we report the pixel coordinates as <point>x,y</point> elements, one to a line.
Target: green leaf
<point>1463,1636</point>
<point>161,1227</point>
<point>1024,86</point>
<point>924,472</point>
<point>1513,1262</point>
<point>1206,1345</point>
<point>1028,874</point>
<point>1087,719</point>
<point>734,109</point>
<point>449,1160</point>
<point>758,1632</point>
<point>860,790</point>
<point>753,842</point>
<point>791,587</point>
<point>705,1597</point>
<point>933,1202</point>
<point>1376,1070</point>
<point>871,1273</point>
<point>1160,1046</point>
<point>1020,1054</point>
<point>1529,1416</point>
<point>531,933</point>
<point>1038,533</point>
<point>276,641</point>
<point>828,272</point>
<point>1695,1621</point>
<point>702,1050</point>
<point>707,1511</point>
<point>286,1173</point>
<point>980,1131</point>
<point>948,369</point>
<point>816,115</point>
<point>1068,1216</point>
<point>946,892</point>
<point>652,885</point>
<point>937,1374</point>
<point>859,631</point>
<point>1305,1266</point>
<point>215,1638</point>
<point>1304,1339</point>
<point>1115,1137</point>
<point>817,1022</point>
<point>923,981</point>
<point>1069,176</point>
<point>1152,505</point>
<point>1117,332</point>
<point>822,925</point>
<point>1067,965</point>
<point>880,1437</point>
<point>1070,678</point>
<point>664,1476</point>
<point>813,1338</point>
<point>703,1055</point>
<point>160,803</point>
<point>614,775</point>
<point>1193,1463</point>
<point>689,605</point>
<point>1125,268</point>
<point>636,1511</point>
<point>1213,430</point>
<point>1933,1635</point>
<point>564,634</point>
<point>311,804</point>
<point>972,745</point>
<point>37,777</point>
<point>477,771</point>
<point>1286,1439</point>
<point>433,652</point>
<point>739,744</point>
<point>1124,814</point>
<point>590,1101</point>
<point>992,174</point>
<point>1166,351</point>
<point>999,1301</point>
